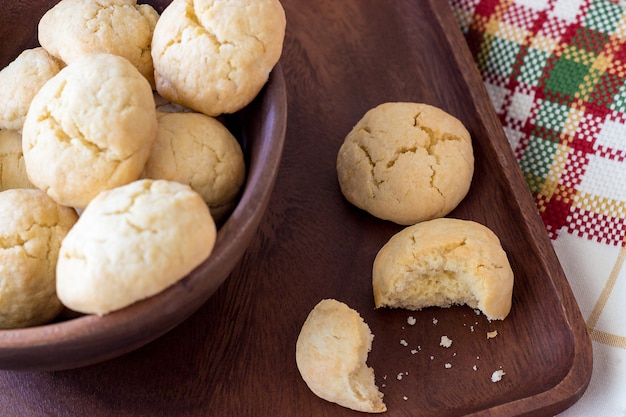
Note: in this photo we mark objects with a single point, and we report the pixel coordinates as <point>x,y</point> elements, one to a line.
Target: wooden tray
<point>236,355</point>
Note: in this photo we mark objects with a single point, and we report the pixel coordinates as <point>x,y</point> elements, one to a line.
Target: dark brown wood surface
<point>236,355</point>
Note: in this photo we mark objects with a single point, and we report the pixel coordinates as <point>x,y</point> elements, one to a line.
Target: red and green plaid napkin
<point>556,72</point>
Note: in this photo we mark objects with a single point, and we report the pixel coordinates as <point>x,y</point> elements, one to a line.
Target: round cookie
<point>215,56</point>
<point>406,162</point>
<point>90,128</point>
<point>73,28</point>
<point>331,355</point>
<point>20,81</point>
<point>198,150</point>
<point>32,227</point>
<point>442,262</point>
<point>132,242</point>
<point>12,167</point>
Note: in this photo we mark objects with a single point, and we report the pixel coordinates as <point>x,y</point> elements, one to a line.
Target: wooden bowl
<point>88,339</point>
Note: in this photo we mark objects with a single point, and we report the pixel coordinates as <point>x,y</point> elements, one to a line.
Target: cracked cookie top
<point>214,56</point>
<point>406,162</point>
<point>132,242</point>
<point>20,81</point>
<point>186,141</point>
<point>32,227</point>
<point>90,128</point>
<point>73,28</point>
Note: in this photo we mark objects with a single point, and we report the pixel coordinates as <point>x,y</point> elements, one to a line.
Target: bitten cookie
<point>198,150</point>
<point>73,28</point>
<point>406,162</point>
<point>32,227</point>
<point>90,128</point>
<point>442,262</point>
<point>19,83</point>
<point>331,354</point>
<point>215,56</point>
<point>12,167</point>
<point>133,242</point>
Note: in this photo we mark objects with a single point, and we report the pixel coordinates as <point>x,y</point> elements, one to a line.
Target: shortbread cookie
<point>198,150</point>
<point>215,56</point>
<point>73,28</point>
<point>32,227</point>
<point>133,242</point>
<point>442,262</point>
<point>90,128</point>
<point>406,162</point>
<point>331,355</point>
<point>12,167</point>
<point>20,81</point>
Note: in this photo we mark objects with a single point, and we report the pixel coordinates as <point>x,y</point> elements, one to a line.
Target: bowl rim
<point>83,340</point>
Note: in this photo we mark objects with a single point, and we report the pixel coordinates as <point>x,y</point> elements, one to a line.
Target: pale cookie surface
<point>198,150</point>
<point>19,83</point>
<point>90,128</point>
<point>133,242</point>
<point>32,227</point>
<point>331,354</point>
<point>443,262</point>
<point>214,56</point>
<point>12,166</point>
<point>406,162</point>
<point>73,28</point>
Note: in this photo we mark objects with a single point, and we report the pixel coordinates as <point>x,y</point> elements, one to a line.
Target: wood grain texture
<point>236,355</point>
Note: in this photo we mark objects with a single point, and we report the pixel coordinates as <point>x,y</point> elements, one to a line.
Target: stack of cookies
<point>114,161</point>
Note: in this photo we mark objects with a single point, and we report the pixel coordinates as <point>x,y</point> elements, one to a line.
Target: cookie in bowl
<point>90,128</point>
<point>32,227</point>
<point>73,28</point>
<point>200,151</point>
<point>215,56</point>
<point>132,242</point>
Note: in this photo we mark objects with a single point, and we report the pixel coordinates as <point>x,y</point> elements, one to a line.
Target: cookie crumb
<point>474,367</point>
<point>405,398</point>
<point>445,341</point>
<point>497,375</point>
<point>411,321</point>
<point>404,342</point>
<point>491,335</point>
<point>399,377</point>
<point>435,321</point>
<point>448,365</point>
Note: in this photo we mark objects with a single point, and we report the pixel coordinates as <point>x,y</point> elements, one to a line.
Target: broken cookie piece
<point>331,354</point>
<point>442,262</point>
<point>406,162</point>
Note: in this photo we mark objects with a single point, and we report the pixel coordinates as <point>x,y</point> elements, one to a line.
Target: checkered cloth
<point>555,71</point>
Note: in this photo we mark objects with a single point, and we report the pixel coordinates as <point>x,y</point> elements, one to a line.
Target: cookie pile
<point>113,157</point>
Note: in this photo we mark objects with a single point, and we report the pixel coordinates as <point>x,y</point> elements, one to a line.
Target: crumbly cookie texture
<point>442,262</point>
<point>331,354</point>
<point>90,128</point>
<point>32,227</point>
<point>406,162</point>
<point>12,166</point>
<point>186,141</point>
<point>20,81</point>
<point>73,28</point>
<point>133,242</point>
<point>214,56</point>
